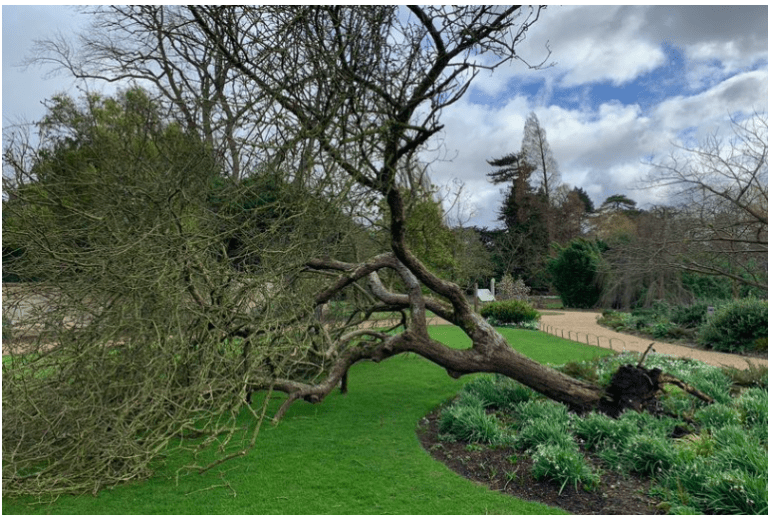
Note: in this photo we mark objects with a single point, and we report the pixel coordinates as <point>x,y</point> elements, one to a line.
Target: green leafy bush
<point>692,316</point>
<point>509,312</point>
<point>660,330</point>
<point>574,273</point>
<point>761,344</point>
<point>735,327</point>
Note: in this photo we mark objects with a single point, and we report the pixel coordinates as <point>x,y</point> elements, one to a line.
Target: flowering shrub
<point>510,289</point>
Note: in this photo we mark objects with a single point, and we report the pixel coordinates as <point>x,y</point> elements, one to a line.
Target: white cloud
<point>712,108</point>
<point>597,43</point>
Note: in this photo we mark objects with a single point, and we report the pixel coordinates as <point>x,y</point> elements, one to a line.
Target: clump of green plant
<point>471,423</point>
<point>598,430</point>
<point>737,326</point>
<point>585,370</point>
<point>736,492</point>
<point>649,454</point>
<point>753,407</point>
<point>497,391</point>
<point>563,464</point>
<point>509,312</point>
<point>754,376</point>
<point>541,432</point>
<point>717,415</point>
<point>689,316</point>
<point>761,344</point>
<point>612,319</point>
<point>552,412</point>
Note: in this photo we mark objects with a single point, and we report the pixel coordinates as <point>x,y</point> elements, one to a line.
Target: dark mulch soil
<point>617,494</point>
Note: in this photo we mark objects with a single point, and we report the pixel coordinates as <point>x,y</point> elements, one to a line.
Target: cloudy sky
<point>626,81</point>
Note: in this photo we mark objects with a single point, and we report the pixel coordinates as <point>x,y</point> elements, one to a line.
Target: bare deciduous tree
<point>722,188</point>
<point>161,48</point>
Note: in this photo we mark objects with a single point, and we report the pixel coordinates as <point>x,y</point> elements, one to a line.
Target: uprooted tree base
<point>636,388</point>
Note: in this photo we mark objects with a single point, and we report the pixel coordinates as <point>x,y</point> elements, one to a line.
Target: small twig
<point>650,347</point>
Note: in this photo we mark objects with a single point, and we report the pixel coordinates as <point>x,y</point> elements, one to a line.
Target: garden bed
<point>505,470</point>
<point>686,457</point>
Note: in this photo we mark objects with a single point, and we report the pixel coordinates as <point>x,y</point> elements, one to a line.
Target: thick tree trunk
<point>492,354</point>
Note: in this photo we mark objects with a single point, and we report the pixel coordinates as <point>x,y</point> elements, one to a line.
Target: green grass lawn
<point>353,454</point>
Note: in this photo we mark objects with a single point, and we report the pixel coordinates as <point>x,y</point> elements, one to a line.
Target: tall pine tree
<point>521,248</point>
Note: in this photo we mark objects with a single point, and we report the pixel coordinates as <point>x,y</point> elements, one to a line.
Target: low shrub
<point>660,330</point>
<point>692,316</point>
<point>682,333</point>
<point>761,344</point>
<point>509,312</point>
<point>735,327</point>
<point>754,376</point>
<point>612,319</point>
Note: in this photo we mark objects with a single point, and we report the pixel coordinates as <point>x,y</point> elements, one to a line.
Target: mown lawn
<point>353,454</point>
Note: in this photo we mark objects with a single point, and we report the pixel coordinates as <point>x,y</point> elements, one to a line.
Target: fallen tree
<point>198,295</point>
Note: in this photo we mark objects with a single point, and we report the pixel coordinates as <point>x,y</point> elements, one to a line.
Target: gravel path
<point>583,327</point>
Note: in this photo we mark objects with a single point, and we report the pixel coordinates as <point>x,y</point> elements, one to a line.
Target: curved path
<point>583,327</point>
